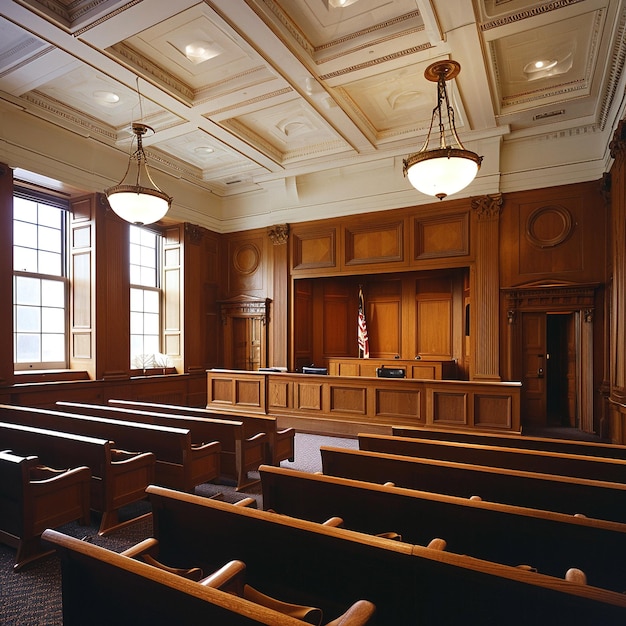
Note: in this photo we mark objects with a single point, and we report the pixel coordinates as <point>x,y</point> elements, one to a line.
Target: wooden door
<point>534,368</point>
<point>247,343</point>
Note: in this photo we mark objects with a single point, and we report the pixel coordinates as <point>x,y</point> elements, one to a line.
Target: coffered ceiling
<point>271,111</point>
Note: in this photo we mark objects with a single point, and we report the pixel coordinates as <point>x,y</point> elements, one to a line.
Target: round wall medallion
<point>246,259</point>
<point>549,226</point>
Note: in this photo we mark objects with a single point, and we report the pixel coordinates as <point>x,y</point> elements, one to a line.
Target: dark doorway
<point>561,369</point>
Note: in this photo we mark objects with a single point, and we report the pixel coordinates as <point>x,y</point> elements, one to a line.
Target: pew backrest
<point>562,464</point>
<point>408,584</point>
<point>597,499</point>
<point>509,440</point>
<point>281,441</point>
<point>239,454</point>
<point>550,542</point>
<point>171,447</point>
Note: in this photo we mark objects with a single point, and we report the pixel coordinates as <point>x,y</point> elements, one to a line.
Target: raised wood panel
<point>250,393</point>
<point>493,411</point>
<point>434,328</point>
<point>279,394</point>
<point>302,327</point>
<point>450,408</point>
<point>384,326</point>
<point>438,237</point>
<point>221,390</point>
<point>81,345</point>
<point>308,396</point>
<point>246,265</point>
<point>338,334</point>
<point>348,400</point>
<point>81,287</point>
<point>396,403</point>
<point>374,243</point>
<point>314,250</point>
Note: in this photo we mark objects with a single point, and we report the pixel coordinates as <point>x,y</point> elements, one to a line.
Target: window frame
<point>48,199</point>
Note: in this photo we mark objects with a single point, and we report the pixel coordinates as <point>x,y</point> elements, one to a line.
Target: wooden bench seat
<point>311,564</point>
<point>34,497</point>
<point>117,478</point>
<point>281,441</point>
<point>509,440</point>
<point>597,499</point>
<point>178,464</point>
<point>113,589</point>
<point>239,454</point>
<point>558,463</point>
<point>552,543</point>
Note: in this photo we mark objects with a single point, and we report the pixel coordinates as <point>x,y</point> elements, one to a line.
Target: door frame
<point>578,299</point>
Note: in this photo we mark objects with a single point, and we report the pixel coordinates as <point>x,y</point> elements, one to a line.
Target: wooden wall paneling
<point>247,261</point>
<point>302,323</point>
<point>202,326</point>
<point>112,293</point>
<point>82,255</point>
<point>384,316</point>
<point>374,242</point>
<point>433,305</point>
<point>6,275</point>
<point>441,234</point>
<point>313,248</point>
<point>173,296</point>
<point>338,334</point>
<point>553,235</point>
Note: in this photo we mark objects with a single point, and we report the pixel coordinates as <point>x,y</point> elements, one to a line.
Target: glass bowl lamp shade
<point>449,168</point>
<point>133,201</point>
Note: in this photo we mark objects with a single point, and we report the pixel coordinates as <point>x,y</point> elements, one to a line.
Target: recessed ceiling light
<point>338,4</point>
<point>106,97</point>
<point>203,150</point>
<point>540,65</point>
<point>200,51</point>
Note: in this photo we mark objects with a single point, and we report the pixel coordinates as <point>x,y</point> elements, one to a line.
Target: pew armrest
<point>308,614</point>
<point>145,551</point>
<point>229,578</point>
<point>358,614</point>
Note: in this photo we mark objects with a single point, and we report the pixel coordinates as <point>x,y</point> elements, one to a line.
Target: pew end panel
<point>34,497</point>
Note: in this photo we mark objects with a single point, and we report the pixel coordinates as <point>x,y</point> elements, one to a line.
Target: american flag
<point>364,344</point>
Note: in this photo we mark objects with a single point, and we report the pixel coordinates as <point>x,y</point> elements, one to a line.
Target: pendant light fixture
<point>448,168</point>
<point>137,198</point>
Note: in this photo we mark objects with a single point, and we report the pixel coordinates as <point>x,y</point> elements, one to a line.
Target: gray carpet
<point>32,597</point>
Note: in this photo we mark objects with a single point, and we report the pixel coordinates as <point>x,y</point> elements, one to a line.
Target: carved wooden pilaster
<point>485,292</point>
<point>617,147</point>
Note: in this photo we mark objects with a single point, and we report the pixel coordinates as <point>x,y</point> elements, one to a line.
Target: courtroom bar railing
<point>475,405</point>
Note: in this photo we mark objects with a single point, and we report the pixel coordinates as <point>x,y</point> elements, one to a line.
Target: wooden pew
<point>552,543</point>
<point>281,441</point>
<point>312,564</point>
<point>563,494</point>
<point>34,497</point>
<point>117,478</point>
<point>509,440</point>
<point>239,454</point>
<point>591,467</point>
<point>178,464</point>
<point>101,587</point>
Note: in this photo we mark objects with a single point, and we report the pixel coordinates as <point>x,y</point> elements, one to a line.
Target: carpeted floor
<point>32,597</point>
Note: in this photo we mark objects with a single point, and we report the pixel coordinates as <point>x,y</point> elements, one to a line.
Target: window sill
<point>49,376</point>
